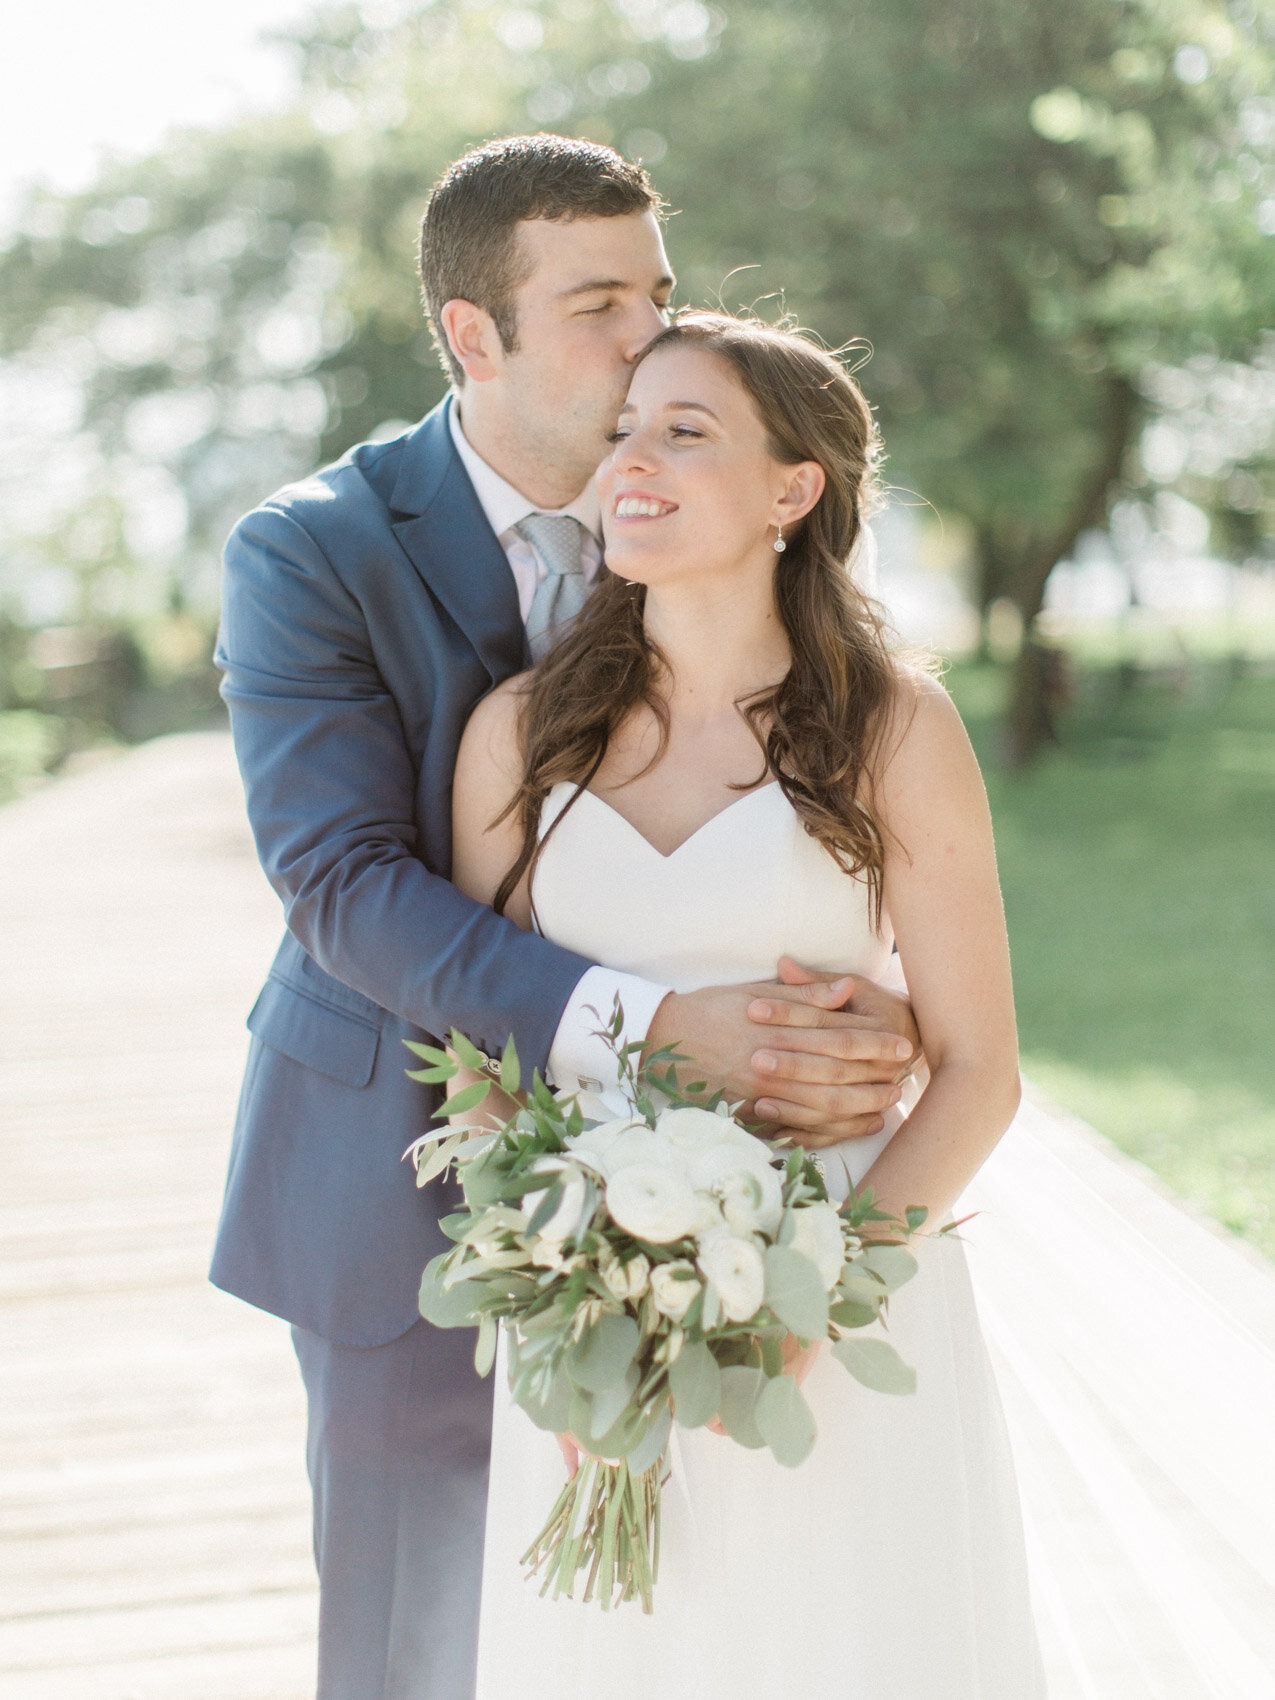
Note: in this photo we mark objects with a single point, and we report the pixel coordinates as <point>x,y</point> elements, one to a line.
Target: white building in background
<point>920,586</point>
<point>1154,562</point>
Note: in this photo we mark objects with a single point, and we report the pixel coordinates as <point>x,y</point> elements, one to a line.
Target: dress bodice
<point>751,885</point>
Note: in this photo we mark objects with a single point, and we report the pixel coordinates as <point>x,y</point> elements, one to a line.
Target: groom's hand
<point>827,1073</point>
<point>874,1008</point>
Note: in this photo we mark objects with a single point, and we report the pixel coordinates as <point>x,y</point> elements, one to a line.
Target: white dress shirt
<point>578,1059</point>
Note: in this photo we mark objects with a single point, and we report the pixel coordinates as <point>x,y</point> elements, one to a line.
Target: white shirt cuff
<point>580,1061</point>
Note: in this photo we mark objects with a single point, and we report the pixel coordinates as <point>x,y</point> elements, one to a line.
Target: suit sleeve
<point>331,786</point>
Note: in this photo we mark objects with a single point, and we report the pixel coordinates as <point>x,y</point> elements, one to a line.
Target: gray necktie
<point>562,592</point>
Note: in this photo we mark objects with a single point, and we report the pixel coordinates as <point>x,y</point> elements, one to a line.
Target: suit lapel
<point>447,538</point>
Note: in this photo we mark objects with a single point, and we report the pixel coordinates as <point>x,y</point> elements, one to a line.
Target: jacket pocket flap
<point>314,1034</point>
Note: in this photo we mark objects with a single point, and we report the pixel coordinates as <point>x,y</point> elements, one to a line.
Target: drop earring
<point>780,545</point>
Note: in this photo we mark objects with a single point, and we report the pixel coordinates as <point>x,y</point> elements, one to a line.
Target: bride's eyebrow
<point>691,407</point>
<point>677,407</point>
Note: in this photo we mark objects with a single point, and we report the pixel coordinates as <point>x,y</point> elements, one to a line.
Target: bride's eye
<point>616,436</point>
<point>686,431</point>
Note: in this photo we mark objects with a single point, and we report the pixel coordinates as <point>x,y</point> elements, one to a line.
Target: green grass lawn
<point>1138,865</point>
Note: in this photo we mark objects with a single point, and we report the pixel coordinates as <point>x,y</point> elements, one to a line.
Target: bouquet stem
<point>607,1521</point>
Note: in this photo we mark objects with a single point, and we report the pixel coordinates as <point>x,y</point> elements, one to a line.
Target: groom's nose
<point>645,324</point>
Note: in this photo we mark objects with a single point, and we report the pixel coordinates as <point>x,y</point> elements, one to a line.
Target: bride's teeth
<point>630,507</point>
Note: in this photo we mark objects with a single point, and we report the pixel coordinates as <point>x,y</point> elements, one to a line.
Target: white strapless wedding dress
<point>889,1566</point>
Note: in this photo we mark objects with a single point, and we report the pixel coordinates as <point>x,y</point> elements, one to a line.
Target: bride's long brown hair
<point>818,725</point>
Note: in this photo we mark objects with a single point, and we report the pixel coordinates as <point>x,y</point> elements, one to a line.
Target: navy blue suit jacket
<point>365,612</point>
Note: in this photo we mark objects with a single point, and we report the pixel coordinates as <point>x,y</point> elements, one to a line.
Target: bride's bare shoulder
<point>492,740</point>
<point>918,707</point>
<point>921,736</point>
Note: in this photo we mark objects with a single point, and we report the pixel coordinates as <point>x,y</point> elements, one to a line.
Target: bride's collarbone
<point>669,814</point>
<point>670,795</point>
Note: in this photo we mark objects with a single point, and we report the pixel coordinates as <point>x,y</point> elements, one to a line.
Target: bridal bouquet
<point>648,1269</point>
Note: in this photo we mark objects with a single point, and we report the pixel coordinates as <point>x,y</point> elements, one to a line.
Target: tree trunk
<point>1037,681</point>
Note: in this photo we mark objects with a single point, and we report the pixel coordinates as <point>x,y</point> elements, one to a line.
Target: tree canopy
<point>1034,216</point>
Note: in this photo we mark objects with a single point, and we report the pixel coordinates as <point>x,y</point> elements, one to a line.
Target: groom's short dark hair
<point>469,248</point>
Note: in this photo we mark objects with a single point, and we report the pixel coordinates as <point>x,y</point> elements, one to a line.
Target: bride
<point>718,764</point>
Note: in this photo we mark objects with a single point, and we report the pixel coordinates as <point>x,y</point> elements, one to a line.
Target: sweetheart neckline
<point>668,856</point>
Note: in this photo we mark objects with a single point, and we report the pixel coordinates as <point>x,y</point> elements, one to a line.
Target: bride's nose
<point>637,452</point>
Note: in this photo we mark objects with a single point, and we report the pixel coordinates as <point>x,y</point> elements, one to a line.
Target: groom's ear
<point>802,490</point>
<point>473,339</point>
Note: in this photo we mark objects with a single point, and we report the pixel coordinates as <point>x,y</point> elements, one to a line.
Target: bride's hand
<point>876,1005</point>
<point>572,1452</point>
<point>799,1360</point>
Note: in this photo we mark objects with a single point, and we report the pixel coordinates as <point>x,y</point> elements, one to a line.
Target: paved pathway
<point>153,1516</point>
<point>152,1489</point>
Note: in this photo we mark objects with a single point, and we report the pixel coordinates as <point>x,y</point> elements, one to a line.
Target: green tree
<point>1022,210</point>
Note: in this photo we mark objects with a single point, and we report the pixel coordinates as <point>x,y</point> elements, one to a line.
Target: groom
<point>366,611</point>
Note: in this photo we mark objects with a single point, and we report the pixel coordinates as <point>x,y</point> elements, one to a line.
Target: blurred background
<point>1052,227</point>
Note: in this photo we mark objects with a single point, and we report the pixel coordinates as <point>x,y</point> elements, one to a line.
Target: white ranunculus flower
<point>624,1280</point>
<point>746,1205</point>
<point>674,1287</point>
<point>642,1145</point>
<point>735,1270</point>
<point>691,1129</point>
<point>652,1202</point>
<point>817,1235</point>
<point>594,1143</point>
<point>708,1215</point>
<point>568,1219</point>
<point>750,1190</point>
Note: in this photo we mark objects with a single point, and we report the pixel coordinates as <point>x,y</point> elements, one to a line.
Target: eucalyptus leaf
<point>876,1364</point>
<point>696,1385</point>
<point>485,1346</point>
<point>484,1180</point>
<point>861,1288</point>
<point>604,1354</point>
<point>772,1355</point>
<point>785,1422</point>
<point>608,1406</point>
<point>553,1412</point>
<point>650,1448</point>
<point>795,1292</point>
<point>546,1209</point>
<point>628,1431</point>
<point>847,1313</point>
<point>439,1158</point>
<point>456,1224</point>
<point>452,1307</point>
<point>468,1098</point>
<point>706,1309</point>
<point>579,1416</point>
<point>741,1389</point>
<point>513,1285</point>
<point>893,1263</point>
